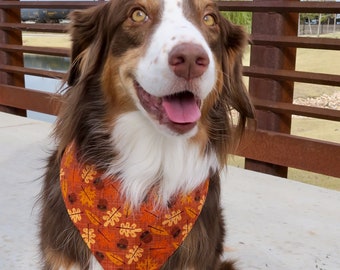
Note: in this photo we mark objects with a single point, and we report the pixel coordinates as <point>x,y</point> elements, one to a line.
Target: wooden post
<point>280,24</point>
<point>14,37</point>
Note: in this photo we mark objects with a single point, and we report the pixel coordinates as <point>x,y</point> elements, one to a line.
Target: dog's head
<point>177,62</point>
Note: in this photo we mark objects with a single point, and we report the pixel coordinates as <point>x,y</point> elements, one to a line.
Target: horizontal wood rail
<point>301,110</point>
<point>49,4</point>
<point>291,75</point>
<point>32,71</point>
<point>300,42</point>
<point>279,6</point>
<point>38,27</point>
<point>268,146</point>
<point>259,6</point>
<point>291,151</point>
<point>24,98</point>
<point>35,50</point>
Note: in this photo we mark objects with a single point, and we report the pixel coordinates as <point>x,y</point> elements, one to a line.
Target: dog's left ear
<point>235,40</point>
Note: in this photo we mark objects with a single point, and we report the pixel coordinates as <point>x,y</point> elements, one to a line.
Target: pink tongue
<point>182,108</point>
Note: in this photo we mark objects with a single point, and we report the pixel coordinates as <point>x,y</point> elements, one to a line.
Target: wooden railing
<point>271,73</point>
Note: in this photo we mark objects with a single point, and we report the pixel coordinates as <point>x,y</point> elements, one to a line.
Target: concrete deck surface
<point>272,223</point>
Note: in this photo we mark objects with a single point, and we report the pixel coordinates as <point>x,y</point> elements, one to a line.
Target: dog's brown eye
<point>209,20</point>
<point>139,16</point>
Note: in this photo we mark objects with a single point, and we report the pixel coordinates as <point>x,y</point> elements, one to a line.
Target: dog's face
<point>175,62</point>
<point>177,70</point>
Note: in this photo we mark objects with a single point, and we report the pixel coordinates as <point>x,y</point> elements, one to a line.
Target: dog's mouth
<point>179,111</point>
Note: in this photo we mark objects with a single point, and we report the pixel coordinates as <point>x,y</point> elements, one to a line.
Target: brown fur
<point>101,37</point>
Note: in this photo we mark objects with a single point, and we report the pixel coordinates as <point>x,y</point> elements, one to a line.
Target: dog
<point>147,117</point>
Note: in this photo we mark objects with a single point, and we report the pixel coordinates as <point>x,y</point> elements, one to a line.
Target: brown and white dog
<point>151,87</point>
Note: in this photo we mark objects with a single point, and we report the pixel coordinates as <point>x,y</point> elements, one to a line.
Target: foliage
<point>241,18</point>
<point>308,17</point>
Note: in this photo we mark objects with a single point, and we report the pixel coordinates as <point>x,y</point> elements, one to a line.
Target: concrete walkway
<point>272,223</point>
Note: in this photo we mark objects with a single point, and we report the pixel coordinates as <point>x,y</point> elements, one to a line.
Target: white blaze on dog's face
<point>177,71</point>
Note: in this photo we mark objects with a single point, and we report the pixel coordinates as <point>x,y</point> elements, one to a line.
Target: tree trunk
<point>310,27</point>
<point>319,25</point>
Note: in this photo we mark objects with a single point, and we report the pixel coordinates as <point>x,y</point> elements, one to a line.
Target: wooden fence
<point>274,42</point>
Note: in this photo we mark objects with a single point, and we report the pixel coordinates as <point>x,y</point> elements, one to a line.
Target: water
<point>51,63</point>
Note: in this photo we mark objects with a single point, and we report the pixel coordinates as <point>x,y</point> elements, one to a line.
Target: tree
<point>320,18</point>
<point>308,17</point>
<point>241,18</point>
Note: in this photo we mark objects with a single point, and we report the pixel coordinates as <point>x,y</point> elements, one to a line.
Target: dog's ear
<point>234,94</point>
<point>235,40</point>
<point>84,30</point>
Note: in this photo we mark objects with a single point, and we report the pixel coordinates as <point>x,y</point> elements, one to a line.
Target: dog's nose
<point>188,60</point>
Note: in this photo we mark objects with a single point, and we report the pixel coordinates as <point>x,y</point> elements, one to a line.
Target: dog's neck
<point>146,158</point>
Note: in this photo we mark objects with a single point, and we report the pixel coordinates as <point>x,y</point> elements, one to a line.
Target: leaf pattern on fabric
<point>186,229</point>
<point>173,218</point>
<point>89,236</point>
<point>158,230</point>
<point>68,159</point>
<point>148,264</point>
<point>201,204</point>
<point>88,173</point>
<point>92,217</point>
<point>186,199</point>
<point>87,196</point>
<point>119,236</point>
<point>112,217</point>
<point>115,258</point>
<point>134,254</point>
<point>75,214</point>
<point>129,230</point>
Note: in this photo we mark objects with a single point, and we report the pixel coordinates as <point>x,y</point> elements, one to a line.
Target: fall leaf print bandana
<point>118,237</point>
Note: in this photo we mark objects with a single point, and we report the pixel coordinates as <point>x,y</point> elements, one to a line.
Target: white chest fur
<point>147,158</point>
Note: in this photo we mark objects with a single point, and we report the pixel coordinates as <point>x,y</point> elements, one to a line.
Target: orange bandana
<point>118,237</point>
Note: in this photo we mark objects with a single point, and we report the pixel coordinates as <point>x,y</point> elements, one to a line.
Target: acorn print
<point>118,235</point>
<point>146,237</point>
<point>123,244</point>
<point>198,196</point>
<point>72,198</point>
<point>175,231</point>
<point>102,204</point>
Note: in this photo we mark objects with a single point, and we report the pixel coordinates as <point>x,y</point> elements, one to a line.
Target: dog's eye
<point>209,20</point>
<point>139,16</point>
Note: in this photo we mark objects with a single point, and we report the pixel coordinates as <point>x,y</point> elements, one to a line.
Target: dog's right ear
<point>83,29</point>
